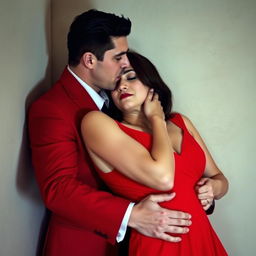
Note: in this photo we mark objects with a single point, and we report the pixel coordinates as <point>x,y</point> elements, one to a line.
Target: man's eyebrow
<point>121,53</point>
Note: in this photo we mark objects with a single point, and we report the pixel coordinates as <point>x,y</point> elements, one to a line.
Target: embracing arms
<point>154,169</point>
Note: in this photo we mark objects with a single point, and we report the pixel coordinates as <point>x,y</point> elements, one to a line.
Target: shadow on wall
<point>26,183</point>
<point>25,179</point>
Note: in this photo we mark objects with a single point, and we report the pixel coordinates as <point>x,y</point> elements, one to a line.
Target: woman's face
<point>129,93</point>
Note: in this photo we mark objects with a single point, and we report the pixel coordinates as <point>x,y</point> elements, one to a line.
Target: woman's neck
<point>137,119</point>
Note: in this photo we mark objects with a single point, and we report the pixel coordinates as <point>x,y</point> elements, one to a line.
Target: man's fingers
<point>150,219</point>
<point>206,207</point>
<point>177,230</point>
<point>176,216</point>
<point>203,189</point>
<point>179,222</point>
<point>161,197</point>
<point>207,195</point>
<point>169,238</point>
<point>202,181</point>
<point>203,196</point>
<point>165,234</point>
<point>204,202</point>
<point>173,215</point>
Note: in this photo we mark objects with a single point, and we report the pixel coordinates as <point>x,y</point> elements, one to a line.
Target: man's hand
<point>150,219</point>
<point>205,188</point>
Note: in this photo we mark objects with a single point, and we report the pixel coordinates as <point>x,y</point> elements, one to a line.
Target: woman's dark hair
<point>91,31</point>
<point>147,73</point>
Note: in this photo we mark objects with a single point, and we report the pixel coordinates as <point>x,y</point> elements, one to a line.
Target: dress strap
<point>177,119</point>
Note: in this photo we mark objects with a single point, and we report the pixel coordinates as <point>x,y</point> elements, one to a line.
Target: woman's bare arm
<point>104,138</point>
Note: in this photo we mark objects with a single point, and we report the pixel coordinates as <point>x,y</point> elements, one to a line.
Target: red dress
<point>189,167</point>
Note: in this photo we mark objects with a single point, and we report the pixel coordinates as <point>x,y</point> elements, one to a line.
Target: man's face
<point>107,72</point>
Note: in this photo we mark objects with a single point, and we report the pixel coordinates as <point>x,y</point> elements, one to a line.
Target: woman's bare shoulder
<point>96,117</point>
<point>96,124</point>
<point>188,123</point>
<point>94,114</point>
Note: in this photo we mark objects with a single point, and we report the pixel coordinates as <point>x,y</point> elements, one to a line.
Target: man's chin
<point>110,87</point>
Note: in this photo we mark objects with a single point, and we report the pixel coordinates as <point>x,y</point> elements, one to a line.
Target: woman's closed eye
<point>131,75</point>
<point>131,78</point>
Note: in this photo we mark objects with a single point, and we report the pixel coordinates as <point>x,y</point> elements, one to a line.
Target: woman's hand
<point>205,192</point>
<point>152,106</point>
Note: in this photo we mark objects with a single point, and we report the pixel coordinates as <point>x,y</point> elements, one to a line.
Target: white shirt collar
<point>98,98</point>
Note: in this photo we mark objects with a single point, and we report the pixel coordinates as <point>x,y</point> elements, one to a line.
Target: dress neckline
<point>172,120</point>
<point>133,129</point>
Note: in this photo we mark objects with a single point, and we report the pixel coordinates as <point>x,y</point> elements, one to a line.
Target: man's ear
<point>89,60</point>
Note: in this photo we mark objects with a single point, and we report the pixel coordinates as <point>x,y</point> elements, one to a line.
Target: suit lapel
<point>76,92</point>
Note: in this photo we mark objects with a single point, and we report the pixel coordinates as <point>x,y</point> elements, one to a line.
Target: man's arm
<point>55,159</point>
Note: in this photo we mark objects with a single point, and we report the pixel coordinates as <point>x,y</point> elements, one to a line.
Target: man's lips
<point>125,95</point>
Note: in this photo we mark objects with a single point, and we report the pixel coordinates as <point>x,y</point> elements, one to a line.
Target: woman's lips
<point>125,95</point>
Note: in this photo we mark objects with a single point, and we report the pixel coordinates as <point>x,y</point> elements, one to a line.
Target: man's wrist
<point>124,224</point>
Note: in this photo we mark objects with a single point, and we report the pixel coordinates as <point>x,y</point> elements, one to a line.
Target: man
<point>85,219</point>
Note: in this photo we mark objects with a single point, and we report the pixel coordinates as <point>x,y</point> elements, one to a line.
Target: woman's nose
<point>122,86</point>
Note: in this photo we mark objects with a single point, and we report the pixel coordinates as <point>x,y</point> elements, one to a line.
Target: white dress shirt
<point>99,100</point>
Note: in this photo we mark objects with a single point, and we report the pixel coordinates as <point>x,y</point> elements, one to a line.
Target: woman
<point>151,151</point>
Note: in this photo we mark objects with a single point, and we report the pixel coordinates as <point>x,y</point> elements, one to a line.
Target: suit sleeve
<point>55,160</point>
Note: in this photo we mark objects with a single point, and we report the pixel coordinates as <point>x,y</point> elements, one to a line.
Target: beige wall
<point>205,50</point>
<point>24,51</point>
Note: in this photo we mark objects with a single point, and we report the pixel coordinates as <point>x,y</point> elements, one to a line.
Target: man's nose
<point>125,61</point>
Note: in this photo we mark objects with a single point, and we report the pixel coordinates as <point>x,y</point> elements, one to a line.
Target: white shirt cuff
<point>123,227</point>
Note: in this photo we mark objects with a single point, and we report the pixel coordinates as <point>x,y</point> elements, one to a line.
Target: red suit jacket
<point>84,218</point>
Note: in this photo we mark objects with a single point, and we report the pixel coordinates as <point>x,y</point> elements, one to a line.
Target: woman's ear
<point>89,60</point>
